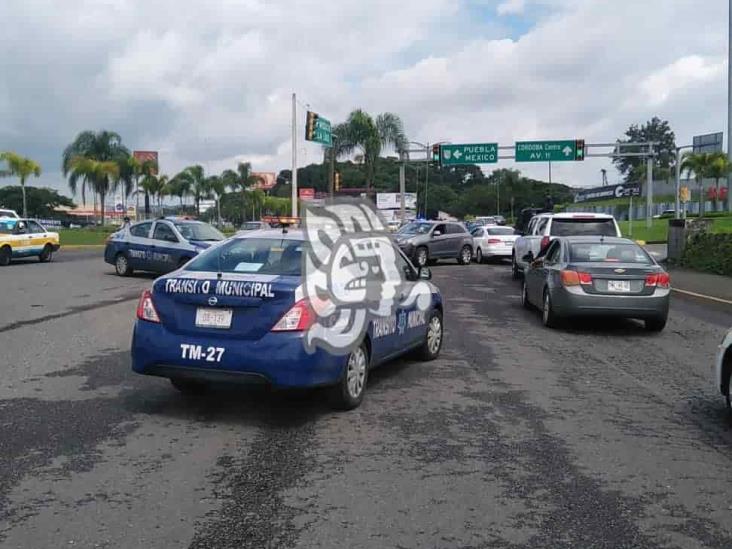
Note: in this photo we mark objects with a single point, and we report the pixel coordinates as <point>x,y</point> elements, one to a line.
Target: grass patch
<point>84,237</point>
<point>659,228</point>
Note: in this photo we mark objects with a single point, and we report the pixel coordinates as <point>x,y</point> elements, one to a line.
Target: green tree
<point>41,202</point>
<point>698,164</point>
<point>719,168</point>
<point>195,177</point>
<point>180,187</point>
<point>103,174</point>
<point>101,147</point>
<point>240,181</point>
<point>367,135</point>
<point>655,130</point>
<point>20,167</point>
<point>217,187</point>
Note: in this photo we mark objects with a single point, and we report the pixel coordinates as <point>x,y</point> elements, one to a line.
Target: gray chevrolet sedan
<point>597,276</point>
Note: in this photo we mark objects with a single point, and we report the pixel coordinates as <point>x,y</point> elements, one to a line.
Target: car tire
<point>548,316</point>
<point>189,386</point>
<point>348,393</point>
<point>432,345</point>
<point>122,265</point>
<point>466,255</point>
<point>46,254</point>
<point>421,257</point>
<point>525,296</point>
<point>656,324</point>
<point>479,256</point>
<point>6,255</point>
<point>515,272</point>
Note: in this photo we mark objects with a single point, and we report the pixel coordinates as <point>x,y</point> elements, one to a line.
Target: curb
<point>702,296</point>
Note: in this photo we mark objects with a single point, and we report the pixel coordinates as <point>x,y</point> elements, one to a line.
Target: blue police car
<point>158,246</point>
<point>239,312</point>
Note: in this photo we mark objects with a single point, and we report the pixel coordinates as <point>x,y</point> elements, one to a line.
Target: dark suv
<point>428,241</point>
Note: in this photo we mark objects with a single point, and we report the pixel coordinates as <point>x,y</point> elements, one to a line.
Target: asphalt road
<point>597,435</point>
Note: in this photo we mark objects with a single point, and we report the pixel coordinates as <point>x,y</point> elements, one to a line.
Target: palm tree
<point>22,168</point>
<point>240,180</point>
<point>217,186</point>
<point>157,187</point>
<point>361,131</point>
<point>102,146</point>
<point>719,168</point>
<point>99,173</point>
<point>699,164</point>
<point>195,177</point>
<point>180,187</point>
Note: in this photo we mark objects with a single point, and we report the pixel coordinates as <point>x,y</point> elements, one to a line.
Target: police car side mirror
<point>424,273</point>
<point>436,234</point>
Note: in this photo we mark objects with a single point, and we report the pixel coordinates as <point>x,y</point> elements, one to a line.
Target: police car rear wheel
<point>5,255</point>
<point>188,386</point>
<point>432,345</point>
<point>122,265</point>
<point>348,394</point>
<point>46,254</point>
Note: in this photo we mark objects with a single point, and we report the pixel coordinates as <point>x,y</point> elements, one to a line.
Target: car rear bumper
<point>279,359</point>
<point>497,251</point>
<point>573,301</point>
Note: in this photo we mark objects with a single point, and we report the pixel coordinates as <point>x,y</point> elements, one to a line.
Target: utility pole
<point>498,195</point>
<point>729,107</point>
<point>427,175</point>
<point>649,187</point>
<point>550,162</point>
<point>402,186</point>
<point>294,155</point>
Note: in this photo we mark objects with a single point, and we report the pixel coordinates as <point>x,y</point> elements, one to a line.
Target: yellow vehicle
<point>26,238</point>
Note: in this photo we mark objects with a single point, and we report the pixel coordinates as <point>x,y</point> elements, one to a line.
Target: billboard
<point>265,180</point>
<point>708,143</point>
<point>391,201</point>
<point>609,191</point>
<point>147,156</point>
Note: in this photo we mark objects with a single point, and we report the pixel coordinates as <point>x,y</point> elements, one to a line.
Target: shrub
<point>709,252</point>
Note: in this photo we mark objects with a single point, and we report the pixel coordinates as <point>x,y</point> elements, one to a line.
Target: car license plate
<point>618,286</point>
<point>213,318</point>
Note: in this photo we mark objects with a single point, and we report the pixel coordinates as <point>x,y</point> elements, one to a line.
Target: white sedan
<point>493,242</point>
<point>723,367</point>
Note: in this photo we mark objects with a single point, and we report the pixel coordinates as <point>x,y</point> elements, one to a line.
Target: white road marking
<point>702,296</point>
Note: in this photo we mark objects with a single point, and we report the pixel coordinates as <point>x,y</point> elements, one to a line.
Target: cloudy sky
<point>210,82</point>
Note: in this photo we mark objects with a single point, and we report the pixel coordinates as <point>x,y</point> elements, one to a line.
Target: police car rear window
<point>271,256</point>
<point>583,226</point>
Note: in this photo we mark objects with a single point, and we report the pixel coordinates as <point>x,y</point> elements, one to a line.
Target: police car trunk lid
<point>256,302</point>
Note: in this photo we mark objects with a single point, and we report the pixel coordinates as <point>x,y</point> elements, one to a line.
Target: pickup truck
<point>544,226</point>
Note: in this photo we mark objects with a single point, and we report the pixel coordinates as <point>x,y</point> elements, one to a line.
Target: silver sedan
<point>597,276</point>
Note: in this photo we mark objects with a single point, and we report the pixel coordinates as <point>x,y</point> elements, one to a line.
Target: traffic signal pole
<point>294,155</point>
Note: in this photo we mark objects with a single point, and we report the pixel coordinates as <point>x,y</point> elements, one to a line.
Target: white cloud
<point>211,82</point>
<point>511,7</point>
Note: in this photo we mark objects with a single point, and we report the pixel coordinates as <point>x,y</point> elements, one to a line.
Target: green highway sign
<point>550,151</point>
<point>474,153</point>
<point>317,129</point>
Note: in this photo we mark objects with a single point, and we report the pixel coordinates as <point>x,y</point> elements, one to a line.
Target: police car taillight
<point>146,308</point>
<point>298,319</point>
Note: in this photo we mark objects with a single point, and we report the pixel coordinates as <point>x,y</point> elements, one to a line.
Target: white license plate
<point>213,318</point>
<point>619,286</point>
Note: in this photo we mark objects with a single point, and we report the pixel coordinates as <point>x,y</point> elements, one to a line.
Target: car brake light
<point>146,308</point>
<point>662,280</point>
<point>494,241</point>
<point>298,319</point>
<point>585,278</point>
<point>545,242</point>
<point>570,278</point>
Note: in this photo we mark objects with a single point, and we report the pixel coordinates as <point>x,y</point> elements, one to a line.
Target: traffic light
<point>337,182</point>
<point>579,149</point>
<point>310,124</point>
<point>436,158</point>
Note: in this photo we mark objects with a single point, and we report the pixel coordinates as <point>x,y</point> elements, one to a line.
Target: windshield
<point>198,231</point>
<point>608,253</point>
<point>272,256</point>
<point>416,228</point>
<point>499,230</point>
<point>251,226</point>
<point>579,226</point>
